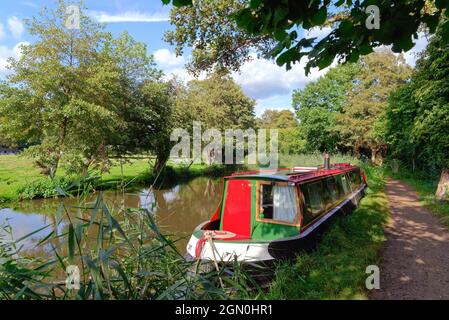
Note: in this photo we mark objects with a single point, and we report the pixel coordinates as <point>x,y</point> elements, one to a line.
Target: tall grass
<point>313,159</point>
<point>336,268</point>
<point>126,258</point>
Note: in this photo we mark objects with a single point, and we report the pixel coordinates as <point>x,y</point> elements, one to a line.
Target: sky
<point>147,20</point>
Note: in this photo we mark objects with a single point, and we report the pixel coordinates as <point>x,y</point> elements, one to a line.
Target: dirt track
<point>415,259</point>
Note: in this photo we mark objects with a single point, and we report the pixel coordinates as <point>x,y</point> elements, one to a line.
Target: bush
<point>59,186</point>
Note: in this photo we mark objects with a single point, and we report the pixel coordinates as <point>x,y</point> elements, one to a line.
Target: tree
<point>73,93</point>
<point>209,27</point>
<point>277,119</point>
<point>397,126</point>
<point>281,21</point>
<point>417,121</point>
<point>58,92</point>
<point>319,102</point>
<point>291,141</point>
<point>216,102</point>
<point>381,73</point>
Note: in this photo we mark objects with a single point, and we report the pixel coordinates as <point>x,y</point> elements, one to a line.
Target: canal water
<point>178,210</point>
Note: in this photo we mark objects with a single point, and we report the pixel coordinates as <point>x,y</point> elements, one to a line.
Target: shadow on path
<point>415,259</point>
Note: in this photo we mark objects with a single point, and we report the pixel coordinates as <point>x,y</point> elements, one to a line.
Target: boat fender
<point>214,235</point>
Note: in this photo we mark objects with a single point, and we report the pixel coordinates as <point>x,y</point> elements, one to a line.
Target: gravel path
<point>415,259</point>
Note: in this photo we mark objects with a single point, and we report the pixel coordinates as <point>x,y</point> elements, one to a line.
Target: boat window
<point>331,187</point>
<point>320,196</point>
<point>355,179</point>
<point>278,202</point>
<point>345,184</point>
<point>313,193</point>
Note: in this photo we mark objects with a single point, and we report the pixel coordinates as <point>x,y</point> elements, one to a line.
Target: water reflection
<point>178,211</point>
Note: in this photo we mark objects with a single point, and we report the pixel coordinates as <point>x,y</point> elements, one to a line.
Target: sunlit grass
<point>313,159</point>
<point>17,172</point>
<point>336,268</point>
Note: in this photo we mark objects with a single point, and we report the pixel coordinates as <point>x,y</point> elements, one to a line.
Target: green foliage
<point>417,117</point>
<point>217,102</point>
<point>209,28</point>
<point>43,188</point>
<point>291,141</point>
<point>277,119</point>
<point>336,268</point>
<point>74,95</point>
<point>129,259</point>
<point>381,73</point>
<point>313,159</point>
<point>318,103</point>
<point>281,22</point>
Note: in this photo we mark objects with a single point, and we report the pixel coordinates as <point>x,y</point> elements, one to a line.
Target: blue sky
<point>147,20</point>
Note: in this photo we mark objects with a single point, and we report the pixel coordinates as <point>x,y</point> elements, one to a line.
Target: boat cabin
<point>275,209</point>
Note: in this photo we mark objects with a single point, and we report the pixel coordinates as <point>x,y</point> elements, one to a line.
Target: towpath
<point>415,259</point>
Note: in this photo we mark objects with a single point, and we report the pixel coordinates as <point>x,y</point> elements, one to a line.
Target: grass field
<point>336,269</point>
<point>17,172</point>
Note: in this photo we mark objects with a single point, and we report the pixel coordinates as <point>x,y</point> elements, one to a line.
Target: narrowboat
<point>265,216</point>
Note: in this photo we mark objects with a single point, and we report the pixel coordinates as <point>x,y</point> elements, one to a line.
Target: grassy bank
<point>19,179</point>
<point>425,185</point>
<point>336,268</point>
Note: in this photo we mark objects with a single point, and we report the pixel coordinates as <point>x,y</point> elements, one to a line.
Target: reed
<point>121,254</point>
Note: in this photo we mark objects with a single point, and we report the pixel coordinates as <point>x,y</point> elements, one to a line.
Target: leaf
<point>182,3</point>
<point>59,213</point>
<point>320,17</point>
<point>325,61</point>
<point>346,27</point>
<point>365,49</point>
<point>288,56</point>
<point>113,224</point>
<point>354,57</point>
<point>442,4</point>
<point>32,233</point>
<point>71,243</point>
<point>279,15</point>
<point>96,208</point>
<point>61,262</point>
<point>406,43</point>
<point>255,3</point>
<point>61,192</point>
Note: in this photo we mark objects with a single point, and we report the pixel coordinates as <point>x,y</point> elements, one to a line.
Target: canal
<point>177,209</point>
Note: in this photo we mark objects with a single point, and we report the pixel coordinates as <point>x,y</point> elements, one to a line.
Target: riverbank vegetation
<point>79,105</point>
<point>128,258</point>
<point>336,268</point>
<point>20,180</point>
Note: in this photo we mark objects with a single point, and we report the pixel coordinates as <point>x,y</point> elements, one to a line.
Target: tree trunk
<point>376,156</point>
<point>159,164</point>
<point>442,192</point>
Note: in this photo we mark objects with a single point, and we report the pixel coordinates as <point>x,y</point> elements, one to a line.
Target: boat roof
<point>295,174</point>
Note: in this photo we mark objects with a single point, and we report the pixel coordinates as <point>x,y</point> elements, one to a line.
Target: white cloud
<point>2,31</point>
<point>318,33</point>
<point>15,25</point>
<point>29,4</point>
<point>165,58</point>
<point>129,16</point>
<point>6,53</point>
<point>420,45</point>
<point>261,79</point>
